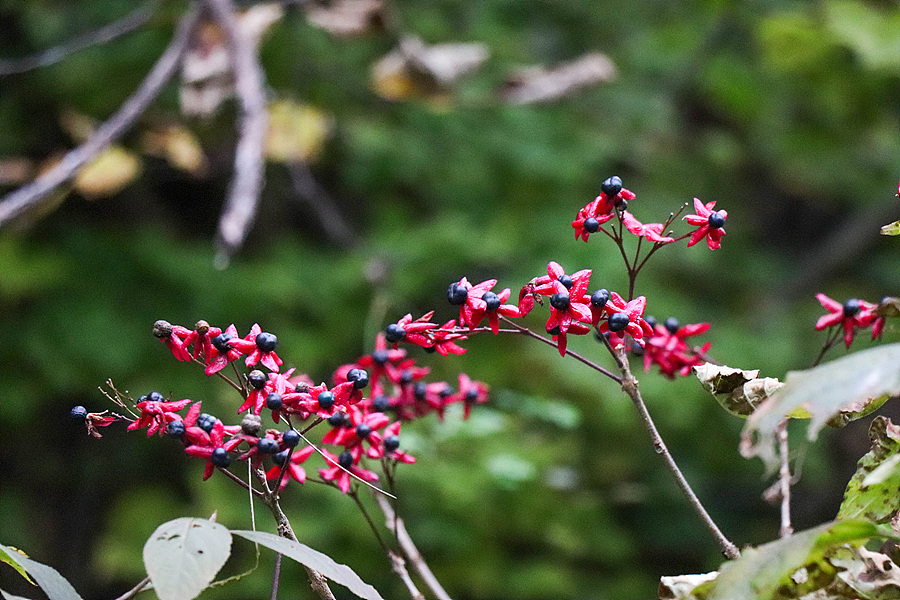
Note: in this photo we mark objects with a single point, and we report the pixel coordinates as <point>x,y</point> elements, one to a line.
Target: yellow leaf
<point>178,146</point>
<point>297,132</point>
<point>891,229</point>
<point>108,174</point>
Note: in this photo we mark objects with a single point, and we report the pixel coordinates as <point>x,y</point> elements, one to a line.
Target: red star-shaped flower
<point>709,224</point>
<point>852,314</point>
<point>567,300</point>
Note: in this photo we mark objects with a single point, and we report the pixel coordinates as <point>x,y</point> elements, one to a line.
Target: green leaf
<point>6,558</point>
<point>891,229</point>
<point>315,560</point>
<point>874,490</point>
<point>841,390</point>
<point>760,572</point>
<point>54,585</point>
<point>183,556</point>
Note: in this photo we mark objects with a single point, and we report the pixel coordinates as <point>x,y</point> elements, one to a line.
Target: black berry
<point>326,400</point>
<point>220,342</point>
<point>618,321</point>
<point>560,301</point>
<point>380,357</point>
<point>345,459</point>
<point>359,377</point>
<point>162,329</point>
<point>611,186</point>
<point>419,391</point>
<point>457,294</point>
<point>337,419</point>
<point>492,300</point>
<point>391,443</point>
<point>206,422</point>
<point>851,308</point>
<point>650,320</point>
<point>79,413</point>
<point>472,395</point>
<point>290,438</point>
<point>637,349</point>
<point>716,220</point>
<point>220,457</point>
<point>267,445</point>
<point>394,333</point>
<point>381,403</point>
<point>251,424</point>
<point>175,429</point>
<point>281,457</point>
<point>566,281</point>
<point>274,401</point>
<point>671,325</point>
<point>257,379</point>
<point>600,298</point>
<point>406,377</point>
<point>155,397</point>
<point>591,225</point>
<point>363,431</point>
<point>266,342</point>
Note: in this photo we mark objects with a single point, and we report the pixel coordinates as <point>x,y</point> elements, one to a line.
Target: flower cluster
<point>667,348</point>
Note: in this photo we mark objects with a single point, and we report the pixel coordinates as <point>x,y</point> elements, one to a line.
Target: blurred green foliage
<point>785,113</point>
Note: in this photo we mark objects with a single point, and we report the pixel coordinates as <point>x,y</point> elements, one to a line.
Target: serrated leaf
<point>762,571</point>
<point>874,490</point>
<point>54,585</point>
<point>738,391</point>
<point>6,558</point>
<point>891,228</point>
<point>848,388</point>
<point>315,560</point>
<point>183,556</point>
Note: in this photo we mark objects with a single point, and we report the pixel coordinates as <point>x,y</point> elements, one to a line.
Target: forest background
<point>387,190</point>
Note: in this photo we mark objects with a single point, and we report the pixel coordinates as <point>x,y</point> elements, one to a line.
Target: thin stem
<point>134,591</point>
<point>409,549</point>
<point>784,477</point>
<point>833,336</point>
<point>355,495</point>
<point>244,484</point>
<point>630,387</point>
<point>576,356</point>
<point>276,576</point>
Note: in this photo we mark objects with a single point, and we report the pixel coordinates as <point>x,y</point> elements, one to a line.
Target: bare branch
<point>30,196</point>
<point>249,166</point>
<point>107,33</point>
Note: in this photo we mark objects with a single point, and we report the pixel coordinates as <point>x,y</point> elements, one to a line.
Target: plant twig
<point>134,591</point>
<point>29,196</point>
<point>249,166</point>
<point>630,387</point>
<point>784,478</point>
<point>107,33</point>
<point>409,549</point>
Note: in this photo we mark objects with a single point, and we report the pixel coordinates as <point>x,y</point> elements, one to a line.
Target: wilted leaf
<point>54,585</point>
<point>738,391</point>
<point>681,587</point>
<point>849,387</point>
<point>296,133</point>
<point>346,17</point>
<point>183,556</point>
<point>315,560</point>
<point>416,70</point>
<point>109,173</point>
<point>874,490</point>
<point>538,84</point>
<point>6,558</point>
<point>888,307</point>
<point>759,572</point>
<point>891,229</point>
<point>871,575</point>
<point>178,146</point>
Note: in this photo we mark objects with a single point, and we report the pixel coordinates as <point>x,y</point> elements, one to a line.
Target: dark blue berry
<point>566,281</point>
<point>175,429</point>
<point>472,395</point>
<point>345,459</point>
<point>618,322</point>
<point>155,397</point>
<point>447,391</point>
<point>359,377</point>
<point>600,298</point>
<point>281,457</point>
<point>419,391</point>
<point>220,342</point>
<point>560,301</point>
<point>611,186</point>
<point>716,220</point>
<point>363,431</point>
<point>79,413</point>
<point>206,422</point>
<point>290,438</point>
<point>406,377</point>
<point>257,379</point>
<point>266,342</point>
<point>381,403</point>
<point>274,401</point>
<point>394,333</point>
<point>851,308</point>
<point>391,443</point>
<point>337,419</point>
<point>457,294</point>
<point>591,225</point>
<point>267,445</point>
<point>637,349</point>
<point>650,320</point>
<point>671,325</point>
<point>220,457</point>
<point>493,301</point>
<point>326,400</point>
<point>380,357</point>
